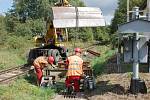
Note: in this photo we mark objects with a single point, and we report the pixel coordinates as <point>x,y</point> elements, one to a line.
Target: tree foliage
<point>3,31</point>
<point>37,9</point>
<point>27,18</point>
<point>34,9</point>
<point>2,25</point>
<point>102,34</point>
<point>120,15</point>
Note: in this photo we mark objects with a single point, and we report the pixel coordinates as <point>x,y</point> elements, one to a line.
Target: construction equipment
<point>64,16</point>
<point>87,82</point>
<point>50,44</point>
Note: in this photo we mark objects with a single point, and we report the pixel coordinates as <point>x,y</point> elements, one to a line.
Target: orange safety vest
<point>75,66</point>
<point>40,62</point>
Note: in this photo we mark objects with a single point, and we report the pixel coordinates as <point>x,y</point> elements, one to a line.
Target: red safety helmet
<point>77,50</point>
<point>51,59</point>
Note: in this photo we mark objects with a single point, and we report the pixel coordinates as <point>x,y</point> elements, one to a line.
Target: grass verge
<point>14,51</point>
<point>99,63</point>
<point>10,59</point>
<point>22,90</point>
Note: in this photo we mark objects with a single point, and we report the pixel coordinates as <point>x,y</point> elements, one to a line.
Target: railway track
<point>12,73</point>
<point>80,96</point>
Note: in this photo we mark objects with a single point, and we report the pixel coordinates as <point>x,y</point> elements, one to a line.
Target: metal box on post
<point>128,50</point>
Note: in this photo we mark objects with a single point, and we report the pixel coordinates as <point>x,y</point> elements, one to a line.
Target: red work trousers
<point>39,74</point>
<point>76,80</point>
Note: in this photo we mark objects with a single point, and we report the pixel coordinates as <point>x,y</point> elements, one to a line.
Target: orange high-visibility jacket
<point>75,66</point>
<point>40,62</point>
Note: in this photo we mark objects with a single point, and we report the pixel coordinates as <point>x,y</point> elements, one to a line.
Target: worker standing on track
<point>75,70</point>
<point>39,63</point>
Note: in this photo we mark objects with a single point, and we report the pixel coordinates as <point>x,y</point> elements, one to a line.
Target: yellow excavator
<point>52,42</point>
<point>53,36</point>
<point>64,16</point>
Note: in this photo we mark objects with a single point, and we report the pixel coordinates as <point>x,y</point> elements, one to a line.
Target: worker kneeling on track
<point>39,64</point>
<point>74,70</point>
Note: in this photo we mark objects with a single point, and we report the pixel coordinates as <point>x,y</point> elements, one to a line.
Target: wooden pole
<point>66,31</point>
<point>148,9</point>
<point>128,19</point>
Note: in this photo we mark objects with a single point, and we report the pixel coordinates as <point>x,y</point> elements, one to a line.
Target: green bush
<point>37,26</point>
<point>100,63</point>
<point>14,42</point>
<point>10,21</point>
<point>3,38</point>
<point>17,42</point>
<point>114,40</point>
<point>22,30</point>
<point>83,34</point>
<point>101,34</point>
<point>14,50</point>
<point>3,32</point>
<point>30,28</point>
<point>2,25</point>
<point>86,34</point>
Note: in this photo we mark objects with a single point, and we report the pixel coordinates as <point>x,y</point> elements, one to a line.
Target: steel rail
<point>5,77</point>
<point>8,70</point>
<point>13,77</point>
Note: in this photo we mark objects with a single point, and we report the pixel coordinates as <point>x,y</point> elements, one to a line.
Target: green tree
<point>11,20</point>
<point>120,17</point>
<point>3,32</point>
<point>77,3</point>
<point>101,34</point>
<point>27,18</point>
<point>2,25</point>
<point>36,9</point>
<point>120,13</point>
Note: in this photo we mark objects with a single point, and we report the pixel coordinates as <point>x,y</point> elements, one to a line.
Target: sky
<point>5,5</point>
<point>107,6</point>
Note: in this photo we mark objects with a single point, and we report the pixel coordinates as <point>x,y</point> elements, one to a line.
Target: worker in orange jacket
<point>39,63</point>
<point>74,70</point>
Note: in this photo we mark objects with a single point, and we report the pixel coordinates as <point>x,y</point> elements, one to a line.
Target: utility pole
<point>128,3</point>
<point>136,57</point>
<point>148,9</point>
<point>119,46</point>
<point>148,17</point>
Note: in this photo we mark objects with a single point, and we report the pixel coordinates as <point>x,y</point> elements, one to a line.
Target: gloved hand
<point>83,75</point>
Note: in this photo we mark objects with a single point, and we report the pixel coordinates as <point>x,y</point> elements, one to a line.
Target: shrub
<point>83,34</point>
<point>22,30</point>
<point>13,42</point>
<point>37,26</point>
<point>100,63</point>
<point>101,34</point>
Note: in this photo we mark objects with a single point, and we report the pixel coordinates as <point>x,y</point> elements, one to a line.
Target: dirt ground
<point>115,87</point>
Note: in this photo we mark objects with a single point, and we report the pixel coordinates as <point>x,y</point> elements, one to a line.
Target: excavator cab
<point>50,44</point>
<point>64,3</point>
<point>55,36</point>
